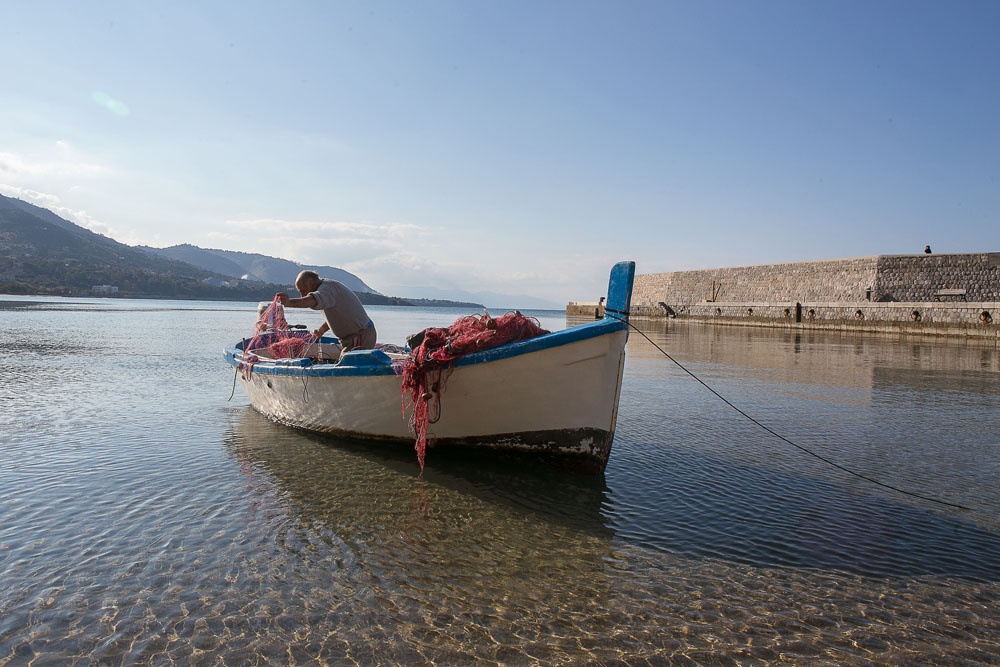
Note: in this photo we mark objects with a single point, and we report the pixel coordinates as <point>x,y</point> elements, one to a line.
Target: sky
<point>516,148</point>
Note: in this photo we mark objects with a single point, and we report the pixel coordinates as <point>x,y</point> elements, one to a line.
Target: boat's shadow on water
<point>691,504</point>
<point>314,467</point>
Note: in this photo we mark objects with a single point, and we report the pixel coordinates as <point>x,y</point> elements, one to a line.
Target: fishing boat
<point>553,396</point>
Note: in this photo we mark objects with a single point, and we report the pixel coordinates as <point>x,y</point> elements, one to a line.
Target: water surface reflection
<point>427,551</point>
<point>146,520</point>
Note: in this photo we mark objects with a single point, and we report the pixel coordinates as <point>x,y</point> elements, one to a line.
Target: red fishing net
<point>274,335</point>
<point>426,369</point>
<point>288,348</point>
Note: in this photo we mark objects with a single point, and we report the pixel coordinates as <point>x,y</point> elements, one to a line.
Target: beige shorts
<point>362,340</point>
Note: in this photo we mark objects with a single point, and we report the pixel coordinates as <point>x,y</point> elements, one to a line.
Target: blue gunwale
<point>376,363</point>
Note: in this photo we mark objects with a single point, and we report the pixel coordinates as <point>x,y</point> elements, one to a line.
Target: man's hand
<point>282,298</point>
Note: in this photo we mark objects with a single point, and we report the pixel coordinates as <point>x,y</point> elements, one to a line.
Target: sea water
<point>771,496</point>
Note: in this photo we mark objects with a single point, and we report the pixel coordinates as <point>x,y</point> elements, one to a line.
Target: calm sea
<point>148,519</point>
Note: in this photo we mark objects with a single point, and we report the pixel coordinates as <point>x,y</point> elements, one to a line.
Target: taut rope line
<point>783,438</point>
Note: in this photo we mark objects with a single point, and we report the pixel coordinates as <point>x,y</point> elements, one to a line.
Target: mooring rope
<point>783,438</point>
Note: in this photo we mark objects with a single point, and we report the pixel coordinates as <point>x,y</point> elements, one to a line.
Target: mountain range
<point>41,253</point>
<point>254,267</point>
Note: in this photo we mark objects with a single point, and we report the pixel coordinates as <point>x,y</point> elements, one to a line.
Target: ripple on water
<point>151,522</point>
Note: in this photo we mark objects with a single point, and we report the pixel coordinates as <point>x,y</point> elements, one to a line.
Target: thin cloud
<point>52,203</point>
<point>31,196</point>
<point>353,246</point>
<point>350,229</point>
<point>395,257</point>
<point>65,163</point>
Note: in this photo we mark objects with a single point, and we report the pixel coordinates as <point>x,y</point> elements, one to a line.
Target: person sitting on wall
<point>927,249</point>
<point>344,313</point>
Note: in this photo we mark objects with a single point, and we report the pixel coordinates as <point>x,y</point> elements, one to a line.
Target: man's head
<point>306,282</point>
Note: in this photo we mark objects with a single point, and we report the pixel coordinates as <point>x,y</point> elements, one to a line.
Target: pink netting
<point>273,333</point>
<point>426,369</point>
<point>289,348</point>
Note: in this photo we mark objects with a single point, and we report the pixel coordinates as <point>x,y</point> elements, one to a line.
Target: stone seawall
<point>593,310</point>
<point>863,291</point>
<point>836,280</point>
<point>917,277</point>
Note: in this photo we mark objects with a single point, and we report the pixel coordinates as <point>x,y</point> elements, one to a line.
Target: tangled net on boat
<point>273,334</point>
<point>430,362</point>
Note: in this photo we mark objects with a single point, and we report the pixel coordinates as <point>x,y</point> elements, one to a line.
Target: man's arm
<point>307,301</point>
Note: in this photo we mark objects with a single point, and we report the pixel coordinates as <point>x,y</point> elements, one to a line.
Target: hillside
<point>41,253</point>
<point>249,266</point>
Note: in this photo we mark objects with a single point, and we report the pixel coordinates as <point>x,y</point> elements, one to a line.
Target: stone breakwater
<point>943,294</point>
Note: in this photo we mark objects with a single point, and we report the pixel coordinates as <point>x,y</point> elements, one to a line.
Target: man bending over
<point>345,315</point>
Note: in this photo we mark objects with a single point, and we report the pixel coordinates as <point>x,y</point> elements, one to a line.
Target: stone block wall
<point>593,310</point>
<point>891,288</point>
<point>917,277</point>
<point>831,280</point>
<point>911,278</point>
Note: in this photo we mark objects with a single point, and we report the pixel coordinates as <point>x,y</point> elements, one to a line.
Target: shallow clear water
<point>147,519</point>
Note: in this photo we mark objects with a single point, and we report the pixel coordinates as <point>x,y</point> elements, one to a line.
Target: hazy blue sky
<point>517,147</point>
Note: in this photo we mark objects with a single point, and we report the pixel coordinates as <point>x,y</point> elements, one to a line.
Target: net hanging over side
<point>425,371</point>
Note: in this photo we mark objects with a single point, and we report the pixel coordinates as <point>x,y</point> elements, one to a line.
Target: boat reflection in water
<point>392,557</point>
<point>459,504</point>
<point>320,471</point>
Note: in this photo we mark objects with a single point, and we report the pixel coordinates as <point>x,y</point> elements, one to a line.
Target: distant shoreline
<point>366,298</point>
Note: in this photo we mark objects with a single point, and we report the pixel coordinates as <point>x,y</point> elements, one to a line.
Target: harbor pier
<point>930,294</point>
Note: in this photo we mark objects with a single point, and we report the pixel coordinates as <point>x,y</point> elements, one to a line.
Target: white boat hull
<point>531,402</point>
<point>555,396</point>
